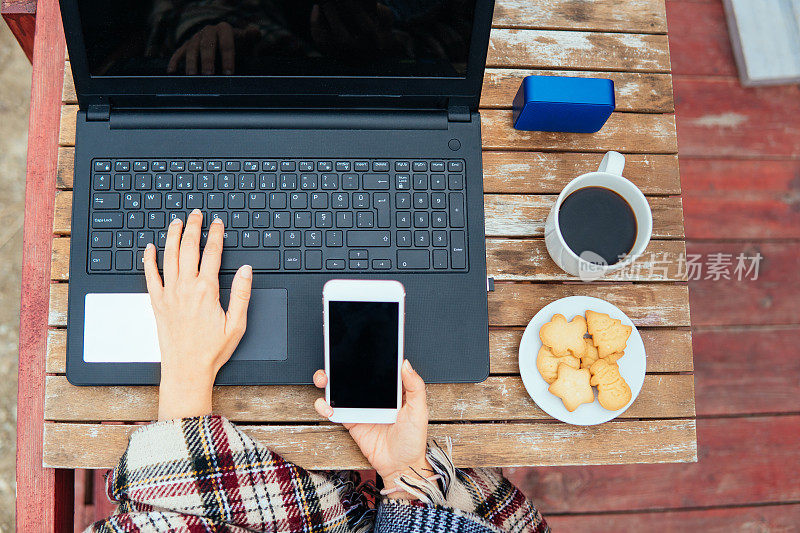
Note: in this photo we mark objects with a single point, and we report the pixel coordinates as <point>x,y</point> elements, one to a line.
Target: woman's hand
<point>392,449</point>
<point>195,335</point>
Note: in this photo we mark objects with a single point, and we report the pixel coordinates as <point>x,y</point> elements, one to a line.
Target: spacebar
<point>258,259</point>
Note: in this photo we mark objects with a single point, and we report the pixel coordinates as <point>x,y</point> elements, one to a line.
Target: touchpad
<point>266,336</point>
<point>120,327</point>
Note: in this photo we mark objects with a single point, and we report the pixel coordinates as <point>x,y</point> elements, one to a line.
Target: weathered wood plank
<point>524,215</point>
<point>508,259</point>
<point>506,215</point>
<point>524,172</point>
<point>634,91</point>
<point>646,16</point>
<point>497,398</point>
<point>668,350</point>
<point>701,26</point>
<point>549,173</point>
<point>578,50</point>
<point>743,461</point>
<point>513,304</point>
<point>330,447</point>
<point>624,132</point>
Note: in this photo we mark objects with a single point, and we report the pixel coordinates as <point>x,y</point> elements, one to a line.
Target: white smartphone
<point>363,327</point>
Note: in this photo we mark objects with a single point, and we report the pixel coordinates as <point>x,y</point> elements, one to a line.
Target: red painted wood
<point>44,496</point>
<point>771,299</point>
<point>775,518</point>
<point>744,199</point>
<point>741,461</point>
<point>719,118</point>
<point>20,15</point>
<point>747,371</point>
<point>102,505</point>
<point>699,43</point>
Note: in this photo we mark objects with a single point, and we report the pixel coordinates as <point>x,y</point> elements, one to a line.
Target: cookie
<point>613,357</point>
<point>591,354</point>
<point>572,386</point>
<point>613,391</point>
<point>547,363</point>
<point>564,338</point>
<point>608,334</point>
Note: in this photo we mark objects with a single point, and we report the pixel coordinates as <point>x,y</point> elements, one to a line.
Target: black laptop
<point>334,138</point>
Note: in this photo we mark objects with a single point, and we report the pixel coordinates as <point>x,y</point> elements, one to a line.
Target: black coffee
<point>596,219</point>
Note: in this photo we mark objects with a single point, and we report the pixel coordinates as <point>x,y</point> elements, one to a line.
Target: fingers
<point>320,379</point>
<point>192,53</point>
<point>208,50</point>
<point>414,387</point>
<point>171,252</point>
<point>227,47</point>
<point>151,275</point>
<point>240,298</point>
<point>322,408</point>
<point>212,252</point>
<point>175,59</point>
<point>189,254</point>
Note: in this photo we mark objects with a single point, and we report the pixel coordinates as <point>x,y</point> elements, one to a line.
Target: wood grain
<point>513,304</point>
<point>668,350</point>
<point>646,16</point>
<point>624,132</point>
<point>20,15</point>
<point>508,259</point>
<point>523,172</point>
<point>634,91</point>
<point>578,50</point>
<point>330,447</point>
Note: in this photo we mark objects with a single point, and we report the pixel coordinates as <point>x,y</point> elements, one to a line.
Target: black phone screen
<point>363,354</point>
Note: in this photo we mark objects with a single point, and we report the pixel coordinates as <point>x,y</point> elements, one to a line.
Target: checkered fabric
<point>204,474</point>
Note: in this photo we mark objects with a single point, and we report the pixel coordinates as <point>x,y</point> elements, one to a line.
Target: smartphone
<point>363,322</point>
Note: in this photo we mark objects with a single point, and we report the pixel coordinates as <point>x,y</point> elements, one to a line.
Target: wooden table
<point>492,423</point>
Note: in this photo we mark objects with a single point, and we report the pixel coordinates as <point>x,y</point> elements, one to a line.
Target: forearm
<point>182,398</point>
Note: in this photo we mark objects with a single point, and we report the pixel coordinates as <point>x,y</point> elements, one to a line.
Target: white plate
<point>632,365</point>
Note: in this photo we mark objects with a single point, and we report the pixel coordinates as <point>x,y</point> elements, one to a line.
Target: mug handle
<point>612,163</point>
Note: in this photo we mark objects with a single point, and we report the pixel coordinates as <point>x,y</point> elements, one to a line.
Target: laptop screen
<point>306,38</point>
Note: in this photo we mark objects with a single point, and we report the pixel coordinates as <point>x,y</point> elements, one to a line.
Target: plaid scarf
<point>204,474</point>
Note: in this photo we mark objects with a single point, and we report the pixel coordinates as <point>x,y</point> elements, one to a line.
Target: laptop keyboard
<point>290,215</point>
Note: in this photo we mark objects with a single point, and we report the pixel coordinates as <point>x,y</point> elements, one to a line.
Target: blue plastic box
<point>554,103</point>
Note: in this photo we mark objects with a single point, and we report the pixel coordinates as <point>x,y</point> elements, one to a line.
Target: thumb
<point>239,300</point>
<point>414,387</point>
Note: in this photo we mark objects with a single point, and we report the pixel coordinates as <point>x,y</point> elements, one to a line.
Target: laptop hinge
<point>98,112</point>
<point>458,113</point>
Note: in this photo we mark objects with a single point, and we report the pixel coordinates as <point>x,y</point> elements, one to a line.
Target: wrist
<point>184,394</point>
<point>420,469</point>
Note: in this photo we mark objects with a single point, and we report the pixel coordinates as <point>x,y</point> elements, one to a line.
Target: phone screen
<point>363,354</point>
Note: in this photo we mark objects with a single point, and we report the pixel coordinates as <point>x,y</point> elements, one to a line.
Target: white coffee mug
<point>588,265</point>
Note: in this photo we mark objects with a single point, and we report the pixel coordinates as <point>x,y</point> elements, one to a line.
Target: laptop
<point>335,139</point>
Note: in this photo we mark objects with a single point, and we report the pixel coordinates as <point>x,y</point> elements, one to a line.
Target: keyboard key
<point>102,166</point>
<point>158,166</point>
<point>404,238</point>
<point>324,166</point>
<point>194,200</point>
<point>313,259</point>
<point>402,200</point>
<point>302,219</point>
<point>365,219</point>
<point>343,166</point>
<point>152,200</point>
<point>381,264</point>
<point>457,209</point>
<point>288,182</point>
<point>420,166</point>
<point>156,219</point>
<point>123,260</point>
<point>139,261</point>
<point>340,200</point>
<point>323,219</point>
<point>330,181</point>
<point>258,259</point>
<point>269,166</point>
<point>440,259</point>
<point>456,181</point>
<point>140,166</point>
<point>215,200</point>
<point>403,219</point>
<point>260,220</point>
<point>267,182</point>
<point>440,238</point>
<point>177,166</point>
<point>163,181</point>
<point>100,260</point>
<point>101,239</point>
<point>291,260</point>
<point>108,200</point>
<point>439,219</point>
<point>359,264</point>
<point>132,200</point>
<point>372,182</point>
<point>122,182</point>
<point>101,182</point>
<point>277,200</point>
<point>122,166</point>
<point>420,200</point>
<point>333,238</point>
<point>240,219</point>
<point>250,166</point>
<point>106,220</point>
<point>195,166</point>
<point>177,214</point>
<point>358,254</point>
<point>422,238</point>
<point>221,215</point>
<point>438,200</point>
<point>335,264</point>
<point>438,183</point>
<point>313,238</point>
<point>272,238</point>
<point>381,202</point>
<point>205,181</point>
<point>298,200</point>
<point>350,181</point>
<point>360,200</point>
<point>361,166</point>
<point>420,182</point>
<point>413,259</point>
<point>308,181</point>
<point>161,238</point>
<point>214,166</point>
<point>143,182</point>
<point>233,166</point>
<point>458,251</point>
<point>366,239</point>
<point>226,182</point>
<point>319,200</point>
<point>282,219</point>
<point>380,166</point>
<point>173,200</point>
<point>143,238</point>
<point>124,239</point>
<point>455,166</point>
<point>247,182</point>
<point>230,239</point>
<point>251,239</point>
<point>344,219</point>
<point>402,166</point>
<point>421,219</point>
<point>235,200</point>
<point>305,166</point>
<point>257,200</point>
<point>437,166</point>
<point>402,182</point>
<point>288,166</point>
<point>184,181</point>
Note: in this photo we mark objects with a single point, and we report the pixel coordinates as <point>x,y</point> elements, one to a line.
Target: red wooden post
<point>44,496</point>
<point>20,15</point>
